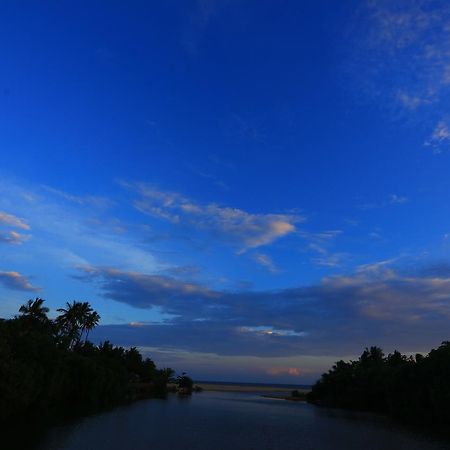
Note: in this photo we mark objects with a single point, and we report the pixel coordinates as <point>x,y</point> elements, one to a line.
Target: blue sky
<point>246,190</point>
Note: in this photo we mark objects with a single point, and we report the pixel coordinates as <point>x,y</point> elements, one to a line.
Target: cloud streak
<point>16,281</point>
<point>13,221</point>
<point>440,137</point>
<point>265,261</point>
<point>236,226</point>
<point>87,200</point>
<point>12,237</point>
<point>69,230</point>
<point>319,243</point>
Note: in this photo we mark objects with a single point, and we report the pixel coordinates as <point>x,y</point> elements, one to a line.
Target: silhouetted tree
<point>76,319</point>
<point>69,322</point>
<point>90,322</point>
<point>168,374</point>
<point>415,389</point>
<point>184,383</point>
<point>38,374</point>
<point>35,309</point>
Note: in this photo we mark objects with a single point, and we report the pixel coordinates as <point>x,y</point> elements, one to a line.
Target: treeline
<point>411,388</point>
<point>49,367</point>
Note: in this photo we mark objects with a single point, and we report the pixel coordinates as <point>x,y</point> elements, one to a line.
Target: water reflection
<point>233,421</point>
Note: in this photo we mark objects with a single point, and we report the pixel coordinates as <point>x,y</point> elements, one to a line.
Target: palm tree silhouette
<point>90,319</point>
<point>35,309</point>
<point>68,322</point>
<point>76,319</point>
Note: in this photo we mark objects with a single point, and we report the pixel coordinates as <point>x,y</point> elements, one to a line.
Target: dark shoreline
<point>37,423</point>
<point>249,387</point>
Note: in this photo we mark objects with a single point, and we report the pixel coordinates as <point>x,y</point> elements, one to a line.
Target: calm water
<point>214,421</point>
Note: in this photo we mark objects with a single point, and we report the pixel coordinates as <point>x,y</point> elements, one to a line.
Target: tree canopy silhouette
<point>411,388</point>
<point>35,309</point>
<point>47,367</point>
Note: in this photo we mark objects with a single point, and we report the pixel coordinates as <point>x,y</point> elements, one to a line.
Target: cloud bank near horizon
<point>376,305</point>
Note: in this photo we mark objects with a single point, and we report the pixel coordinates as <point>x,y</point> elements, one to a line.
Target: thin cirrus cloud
<point>16,281</point>
<point>68,230</point>
<point>239,227</point>
<point>265,261</point>
<point>318,245</point>
<point>12,237</point>
<point>392,200</point>
<point>416,36</point>
<point>86,200</point>
<point>440,137</point>
<point>395,199</point>
<point>338,315</point>
<point>13,221</point>
<point>408,44</point>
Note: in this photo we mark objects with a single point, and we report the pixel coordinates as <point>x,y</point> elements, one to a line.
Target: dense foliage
<point>412,388</point>
<point>184,383</point>
<point>47,367</point>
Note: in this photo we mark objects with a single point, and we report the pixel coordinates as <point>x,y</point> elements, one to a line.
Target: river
<point>235,421</point>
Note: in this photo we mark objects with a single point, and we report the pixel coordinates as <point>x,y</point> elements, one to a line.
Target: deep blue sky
<point>247,190</point>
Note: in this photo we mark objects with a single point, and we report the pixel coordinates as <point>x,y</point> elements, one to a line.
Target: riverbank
<point>298,397</point>
<point>229,387</point>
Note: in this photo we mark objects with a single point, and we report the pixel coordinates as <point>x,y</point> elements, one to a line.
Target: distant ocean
<point>272,385</point>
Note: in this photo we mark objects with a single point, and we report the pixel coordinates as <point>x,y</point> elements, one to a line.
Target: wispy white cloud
<point>265,261</point>
<point>89,200</point>
<point>440,137</point>
<point>69,233</point>
<point>412,102</point>
<point>319,244</point>
<point>401,24</point>
<point>247,230</point>
<point>404,60</point>
<point>12,237</point>
<point>329,260</point>
<point>16,281</point>
<point>320,236</point>
<point>376,267</point>
<point>376,235</point>
<point>416,33</point>
<point>13,221</point>
<point>395,199</point>
<point>391,200</point>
